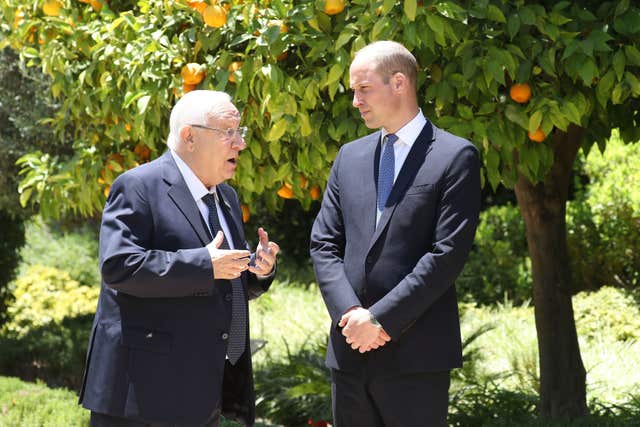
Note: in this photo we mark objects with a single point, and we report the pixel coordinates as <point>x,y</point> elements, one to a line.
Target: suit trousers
<point>103,420</point>
<point>381,400</point>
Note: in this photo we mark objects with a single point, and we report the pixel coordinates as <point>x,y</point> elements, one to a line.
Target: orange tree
<point>529,84</point>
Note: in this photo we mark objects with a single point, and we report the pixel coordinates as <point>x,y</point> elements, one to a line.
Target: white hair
<point>194,108</point>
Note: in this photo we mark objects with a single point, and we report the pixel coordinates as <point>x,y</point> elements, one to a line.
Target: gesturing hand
<point>227,263</point>
<point>265,254</point>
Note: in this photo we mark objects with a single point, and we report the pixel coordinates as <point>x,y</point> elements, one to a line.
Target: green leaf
<point>495,14</point>
<point>277,130</point>
<point>335,73</point>
<point>633,82</point>
<point>619,63</point>
<point>465,112</point>
<point>622,7</point>
<point>517,116</point>
<point>604,87</point>
<point>305,126</point>
<point>25,196</point>
<point>534,121</point>
<point>436,24</point>
<point>527,16</point>
<point>513,26</point>
<point>410,8</point>
<point>588,71</point>
<point>275,149</point>
<point>143,103</point>
<point>633,55</point>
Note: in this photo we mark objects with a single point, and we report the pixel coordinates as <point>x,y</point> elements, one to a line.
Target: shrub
<point>604,221</point>
<point>71,248</point>
<point>293,391</point>
<point>498,266</point>
<point>48,328</point>
<point>608,312</point>
<point>25,404</point>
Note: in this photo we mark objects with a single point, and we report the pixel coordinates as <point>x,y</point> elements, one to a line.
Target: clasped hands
<point>230,263</point>
<point>360,333</point>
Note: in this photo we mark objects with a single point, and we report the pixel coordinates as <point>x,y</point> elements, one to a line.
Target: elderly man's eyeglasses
<point>229,133</point>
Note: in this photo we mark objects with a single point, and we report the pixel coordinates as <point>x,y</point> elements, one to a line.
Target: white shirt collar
<point>409,132</point>
<point>196,187</point>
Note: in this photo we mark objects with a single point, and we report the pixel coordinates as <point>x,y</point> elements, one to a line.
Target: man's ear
<point>186,137</point>
<point>399,83</point>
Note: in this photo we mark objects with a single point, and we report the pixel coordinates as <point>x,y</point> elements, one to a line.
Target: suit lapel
<point>180,195</point>
<point>370,191</point>
<point>415,159</point>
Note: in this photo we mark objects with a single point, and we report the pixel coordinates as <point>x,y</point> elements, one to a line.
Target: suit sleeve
<point>327,250</point>
<point>457,219</point>
<point>127,262</point>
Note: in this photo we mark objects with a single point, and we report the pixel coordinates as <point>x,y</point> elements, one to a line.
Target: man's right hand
<point>227,263</point>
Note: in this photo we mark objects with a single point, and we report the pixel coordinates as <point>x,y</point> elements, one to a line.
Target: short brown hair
<point>389,58</point>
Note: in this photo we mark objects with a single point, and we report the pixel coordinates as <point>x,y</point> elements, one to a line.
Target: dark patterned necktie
<point>387,171</point>
<point>238,329</point>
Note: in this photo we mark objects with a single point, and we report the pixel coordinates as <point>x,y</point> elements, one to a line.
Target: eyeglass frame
<point>229,133</point>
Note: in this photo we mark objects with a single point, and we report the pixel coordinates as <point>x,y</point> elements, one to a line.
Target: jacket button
<point>228,297</point>
<point>225,336</point>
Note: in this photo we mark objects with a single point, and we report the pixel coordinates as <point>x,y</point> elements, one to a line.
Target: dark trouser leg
<point>104,420</point>
<point>351,403</point>
<point>419,399</point>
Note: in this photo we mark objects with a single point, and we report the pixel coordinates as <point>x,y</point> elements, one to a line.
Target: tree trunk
<point>543,207</point>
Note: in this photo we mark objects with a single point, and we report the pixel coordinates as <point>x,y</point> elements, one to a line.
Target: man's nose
<point>239,143</point>
<point>356,100</point>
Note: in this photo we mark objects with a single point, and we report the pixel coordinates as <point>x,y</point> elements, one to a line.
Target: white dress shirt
<point>407,135</point>
<point>198,190</point>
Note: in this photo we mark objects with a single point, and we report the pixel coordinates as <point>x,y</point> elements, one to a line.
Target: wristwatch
<point>374,321</point>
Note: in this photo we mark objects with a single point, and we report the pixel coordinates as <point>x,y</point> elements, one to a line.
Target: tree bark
<point>543,207</point>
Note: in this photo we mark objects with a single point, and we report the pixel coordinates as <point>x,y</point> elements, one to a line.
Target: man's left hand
<point>266,253</point>
<point>360,333</point>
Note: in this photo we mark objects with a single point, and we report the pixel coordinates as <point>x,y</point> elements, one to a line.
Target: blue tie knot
<point>387,171</point>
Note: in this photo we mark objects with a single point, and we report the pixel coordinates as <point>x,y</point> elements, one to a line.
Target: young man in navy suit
<point>170,340</point>
<point>397,221</point>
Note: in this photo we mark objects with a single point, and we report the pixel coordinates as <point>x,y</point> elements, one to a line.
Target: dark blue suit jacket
<point>158,345</point>
<point>404,269</point>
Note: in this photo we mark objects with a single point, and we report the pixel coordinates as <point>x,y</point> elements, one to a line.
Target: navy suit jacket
<point>404,269</point>
<point>158,345</point>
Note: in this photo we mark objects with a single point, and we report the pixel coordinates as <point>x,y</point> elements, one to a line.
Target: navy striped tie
<point>238,329</point>
<point>387,171</point>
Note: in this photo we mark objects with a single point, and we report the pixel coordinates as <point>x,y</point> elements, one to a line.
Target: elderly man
<point>395,227</point>
<point>170,341</point>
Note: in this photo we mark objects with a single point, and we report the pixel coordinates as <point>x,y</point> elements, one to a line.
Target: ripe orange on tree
<point>286,192</point>
<point>314,192</point>
<point>193,73</point>
<point>537,136</point>
<point>234,66</point>
<point>520,92</point>
<point>51,7</point>
<point>186,88</point>
<point>200,5</point>
<point>214,16</point>
<point>245,213</point>
<point>143,151</point>
<point>333,7</point>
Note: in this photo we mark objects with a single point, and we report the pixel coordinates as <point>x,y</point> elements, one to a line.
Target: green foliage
<point>46,295</point>
<point>73,249</point>
<point>608,312</point>
<point>292,391</point>
<point>48,329</point>
<point>35,405</point>
<point>498,266</point>
<point>119,68</point>
<point>604,220</point>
